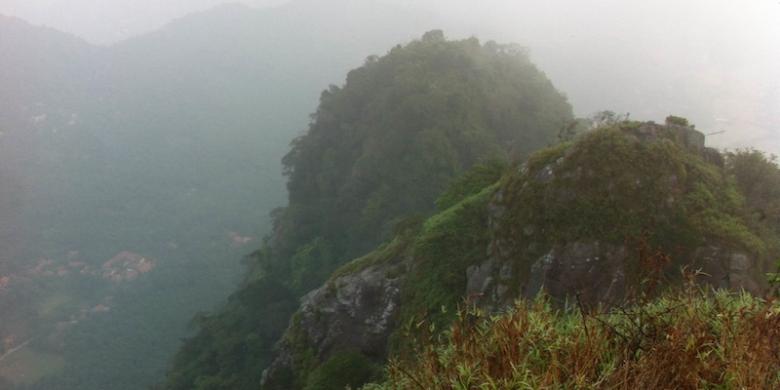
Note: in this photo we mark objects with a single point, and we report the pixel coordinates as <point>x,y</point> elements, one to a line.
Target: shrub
<point>676,120</point>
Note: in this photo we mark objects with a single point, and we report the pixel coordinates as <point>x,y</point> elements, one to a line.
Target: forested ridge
<point>379,151</point>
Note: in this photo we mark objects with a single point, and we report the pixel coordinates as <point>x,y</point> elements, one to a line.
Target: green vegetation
<point>605,185</point>
<point>689,339</point>
<point>471,182</point>
<point>610,187</point>
<point>343,370</point>
<point>400,244</point>
<point>419,154</point>
<point>388,143</point>
<point>758,178</point>
<point>432,288</point>
<point>377,155</point>
<point>676,120</point>
<point>449,242</point>
<point>232,345</point>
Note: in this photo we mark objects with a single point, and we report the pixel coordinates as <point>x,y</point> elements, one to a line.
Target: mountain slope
<point>378,151</point>
<point>599,220</point>
<point>42,68</point>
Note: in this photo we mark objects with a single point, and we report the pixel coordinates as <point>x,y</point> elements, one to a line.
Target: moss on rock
<point>586,204</point>
<point>619,186</point>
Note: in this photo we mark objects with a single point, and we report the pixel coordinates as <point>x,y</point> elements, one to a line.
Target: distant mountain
<point>42,68</point>
<point>167,145</point>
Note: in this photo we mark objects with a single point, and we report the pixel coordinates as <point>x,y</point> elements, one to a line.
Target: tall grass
<point>690,338</point>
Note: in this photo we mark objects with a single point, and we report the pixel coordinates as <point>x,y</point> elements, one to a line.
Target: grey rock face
<point>685,135</point>
<point>546,174</point>
<point>591,270</point>
<point>595,273</point>
<point>354,312</point>
<point>479,278</point>
<point>729,269</point>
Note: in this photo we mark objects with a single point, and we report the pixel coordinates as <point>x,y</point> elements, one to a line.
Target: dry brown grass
<point>687,339</point>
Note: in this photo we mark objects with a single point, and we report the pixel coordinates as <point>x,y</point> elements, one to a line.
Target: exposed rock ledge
<point>596,273</point>
<point>353,312</point>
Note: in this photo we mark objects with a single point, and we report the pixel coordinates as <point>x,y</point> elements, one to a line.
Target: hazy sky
<point>107,21</point>
<point>720,57</point>
<point>690,57</point>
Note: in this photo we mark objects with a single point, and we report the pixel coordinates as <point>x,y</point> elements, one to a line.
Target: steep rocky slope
<point>620,207</point>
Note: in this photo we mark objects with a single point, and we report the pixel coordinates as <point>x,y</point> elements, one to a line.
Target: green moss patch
<point>449,243</point>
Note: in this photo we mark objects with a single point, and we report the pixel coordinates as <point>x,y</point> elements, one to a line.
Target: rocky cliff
<point>600,219</point>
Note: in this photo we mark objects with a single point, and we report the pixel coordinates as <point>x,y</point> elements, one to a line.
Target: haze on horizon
<point>715,61</point>
<point>109,21</point>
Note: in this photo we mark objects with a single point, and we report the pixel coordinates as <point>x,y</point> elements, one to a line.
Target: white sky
<point>108,21</point>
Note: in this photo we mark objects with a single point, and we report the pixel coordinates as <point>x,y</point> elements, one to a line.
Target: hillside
<point>602,220</point>
<point>378,152</point>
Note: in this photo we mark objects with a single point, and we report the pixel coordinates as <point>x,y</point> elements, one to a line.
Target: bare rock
<point>728,268</point>
<point>353,312</point>
<point>591,270</point>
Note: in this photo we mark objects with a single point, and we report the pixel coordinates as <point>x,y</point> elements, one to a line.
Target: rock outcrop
<point>591,221</point>
<point>355,312</point>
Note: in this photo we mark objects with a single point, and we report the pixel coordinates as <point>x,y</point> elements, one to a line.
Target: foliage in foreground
<point>683,340</point>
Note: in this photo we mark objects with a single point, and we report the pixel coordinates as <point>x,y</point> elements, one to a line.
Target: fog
<point>106,22</point>
<point>713,61</point>
<point>141,148</point>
